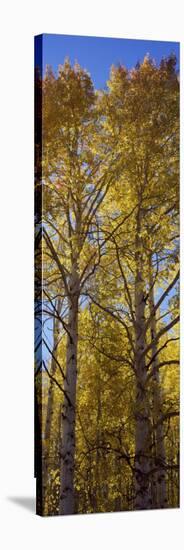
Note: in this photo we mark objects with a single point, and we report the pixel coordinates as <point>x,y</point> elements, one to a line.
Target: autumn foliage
<point>107,257</point>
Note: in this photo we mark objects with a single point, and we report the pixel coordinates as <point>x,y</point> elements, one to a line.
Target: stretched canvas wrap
<point>106,274</point>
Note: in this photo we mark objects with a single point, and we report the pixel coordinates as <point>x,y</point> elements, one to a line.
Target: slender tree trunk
<point>50,411</point>
<point>142,420</point>
<point>97,491</point>
<point>118,476</point>
<point>69,407</point>
<point>159,483</point>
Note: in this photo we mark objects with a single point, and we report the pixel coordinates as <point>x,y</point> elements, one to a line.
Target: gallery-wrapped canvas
<point>106,274</point>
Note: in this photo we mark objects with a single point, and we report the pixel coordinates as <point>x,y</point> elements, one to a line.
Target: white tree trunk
<point>67,504</point>
<point>142,419</point>
<point>159,478</point>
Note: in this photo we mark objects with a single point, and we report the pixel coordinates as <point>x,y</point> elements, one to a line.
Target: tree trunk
<point>69,407</point>
<point>97,488</point>
<point>142,420</point>
<point>159,460</point>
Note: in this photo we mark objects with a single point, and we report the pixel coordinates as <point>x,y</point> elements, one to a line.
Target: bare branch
<point>56,258</point>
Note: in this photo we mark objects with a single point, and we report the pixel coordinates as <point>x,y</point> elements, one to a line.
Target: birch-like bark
<point>159,499</point>
<point>97,488</point>
<point>67,500</point>
<point>142,420</point>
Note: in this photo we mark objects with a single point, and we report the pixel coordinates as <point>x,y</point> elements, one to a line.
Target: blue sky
<point>98,54</point>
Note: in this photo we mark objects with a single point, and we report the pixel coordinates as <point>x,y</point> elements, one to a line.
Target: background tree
<point>76,176</point>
